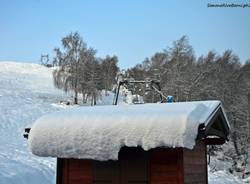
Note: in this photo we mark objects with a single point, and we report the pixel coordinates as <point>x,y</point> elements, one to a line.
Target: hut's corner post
<point>181,166</point>
<point>59,169</point>
<point>206,163</point>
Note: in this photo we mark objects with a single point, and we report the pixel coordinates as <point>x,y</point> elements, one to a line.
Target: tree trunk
<point>248,121</point>
<point>84,97</point>
<point>234,139</point>
<point>94,99</point>
<point>76,97</point>
<point>234,135</point>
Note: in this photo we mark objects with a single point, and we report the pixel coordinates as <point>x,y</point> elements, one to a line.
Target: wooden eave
<point>217,129</point>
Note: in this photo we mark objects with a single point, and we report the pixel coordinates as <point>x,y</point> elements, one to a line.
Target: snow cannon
<point>26,133</point>
<point>150,85</point>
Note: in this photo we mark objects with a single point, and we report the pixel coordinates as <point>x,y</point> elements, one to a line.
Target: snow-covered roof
<point>99,132</point>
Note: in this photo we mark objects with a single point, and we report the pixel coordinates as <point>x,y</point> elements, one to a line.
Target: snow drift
<point>99,132</point>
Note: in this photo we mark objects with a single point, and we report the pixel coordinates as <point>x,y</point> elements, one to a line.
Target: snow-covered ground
<point>222,177</point>
<point>26,93</point>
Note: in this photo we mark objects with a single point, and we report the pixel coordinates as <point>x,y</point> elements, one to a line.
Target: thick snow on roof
<point>99,132</point>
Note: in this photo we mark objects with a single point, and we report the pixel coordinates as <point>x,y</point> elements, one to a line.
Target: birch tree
<point>67,76</point>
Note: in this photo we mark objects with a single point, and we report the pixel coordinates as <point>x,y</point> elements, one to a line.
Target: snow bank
<point>99,132</point>
<point>223,177</point>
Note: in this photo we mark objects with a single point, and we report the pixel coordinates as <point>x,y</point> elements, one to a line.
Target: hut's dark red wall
<point>74,171</point>
<point>166,166</point>
<point>195,164</point>
<point>158,166</point>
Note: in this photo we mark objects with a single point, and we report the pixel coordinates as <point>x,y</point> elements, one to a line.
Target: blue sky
<point>131,29</point>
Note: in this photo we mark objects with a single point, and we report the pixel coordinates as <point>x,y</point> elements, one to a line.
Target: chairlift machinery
<point>150,85</point>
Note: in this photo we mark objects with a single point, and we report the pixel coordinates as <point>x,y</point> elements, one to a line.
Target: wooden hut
<point>150,159</point>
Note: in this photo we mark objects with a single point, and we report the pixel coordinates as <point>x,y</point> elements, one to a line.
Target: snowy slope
<point>26,93</point>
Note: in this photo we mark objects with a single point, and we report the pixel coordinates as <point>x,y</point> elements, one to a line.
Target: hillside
<point>26,93</point>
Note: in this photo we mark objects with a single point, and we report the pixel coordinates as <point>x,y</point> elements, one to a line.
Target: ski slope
<point>26,93</point>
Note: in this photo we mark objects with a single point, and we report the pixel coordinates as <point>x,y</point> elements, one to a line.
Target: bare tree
<point>69,61</point>
<point>109,71</point>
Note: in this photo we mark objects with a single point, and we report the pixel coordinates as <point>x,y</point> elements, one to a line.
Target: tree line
<point>209,77</point>
<point>79,70</point>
